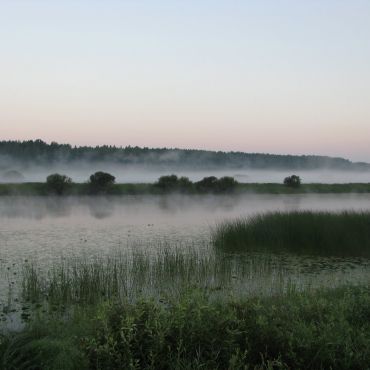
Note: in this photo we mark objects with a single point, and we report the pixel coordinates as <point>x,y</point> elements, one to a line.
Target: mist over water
<point>148,174</point>
<point>49,227</point>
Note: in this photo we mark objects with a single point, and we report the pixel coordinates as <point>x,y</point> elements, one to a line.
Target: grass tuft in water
<point>318,233</point>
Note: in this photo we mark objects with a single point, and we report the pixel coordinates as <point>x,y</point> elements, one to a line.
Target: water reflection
<point>48,226</point>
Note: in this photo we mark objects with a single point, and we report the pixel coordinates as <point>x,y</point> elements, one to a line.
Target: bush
<point>226,183</point>
<point>184,184</point>
<point>101,182</point>
<point>57,183</point>
<point>173,183</point>
<point>293,181</point>
<point>212,184</point>
<point>302,331</point>
<point>207,184</point>
<point>169,182</point>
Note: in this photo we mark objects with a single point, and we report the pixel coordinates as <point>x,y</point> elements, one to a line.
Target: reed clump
<point>131,275</point>
<point>323,233</point>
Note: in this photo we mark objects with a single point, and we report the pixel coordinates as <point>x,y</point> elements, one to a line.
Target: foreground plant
<point>317,330</point>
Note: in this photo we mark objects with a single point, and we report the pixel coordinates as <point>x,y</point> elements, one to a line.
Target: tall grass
<point>184,309</point>
<point>323,233</point>
<point>131,275</point>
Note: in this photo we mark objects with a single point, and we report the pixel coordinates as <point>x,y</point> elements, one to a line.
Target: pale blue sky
<point>257,76</point>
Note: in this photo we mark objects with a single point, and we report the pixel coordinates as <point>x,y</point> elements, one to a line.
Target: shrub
<point>169,182</point>
<point>184,184</point>
<point>207,184</point>
<point>293,181</point>
<point>101,182</point>
<point>226,183</point>
<point>212,184</point>
<point>173,183</point>
<point>57,183</point>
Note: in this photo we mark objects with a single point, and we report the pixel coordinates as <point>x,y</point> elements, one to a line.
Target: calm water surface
<point>45,228</point>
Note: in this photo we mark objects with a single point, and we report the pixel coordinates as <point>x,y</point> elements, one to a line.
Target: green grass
<point>182,309</point>
<point>310,330</point>
<point>317,188</point>
<point>322,233</point>
<point>165,273</point>
<point>38,188</point>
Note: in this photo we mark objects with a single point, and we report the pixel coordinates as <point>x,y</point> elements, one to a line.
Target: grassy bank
<point>38,188</point>
<point>323,233</point>
<point>315,330</point>
<point>181,309</point>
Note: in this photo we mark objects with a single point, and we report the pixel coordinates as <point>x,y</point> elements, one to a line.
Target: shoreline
<point>76,189</point>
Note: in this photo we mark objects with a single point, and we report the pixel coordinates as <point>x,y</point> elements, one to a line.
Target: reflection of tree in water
<point>58,207</point>
<point>100,207</point>
<point>172,203</point>
<point>35,208</point>
<point>181,203</point>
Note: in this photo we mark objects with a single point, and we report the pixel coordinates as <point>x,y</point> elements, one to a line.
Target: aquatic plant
<point>323,233</point>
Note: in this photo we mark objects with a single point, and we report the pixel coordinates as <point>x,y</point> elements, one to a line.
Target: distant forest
<point>37,152</point>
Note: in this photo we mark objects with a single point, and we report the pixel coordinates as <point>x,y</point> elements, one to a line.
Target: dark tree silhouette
<point>226,184</point>
<point>293,181</point>
<point>101,182</point>
<point>57,183</point>
<point>207,184</point>
<point>169,182</point>
<point>40,153</point>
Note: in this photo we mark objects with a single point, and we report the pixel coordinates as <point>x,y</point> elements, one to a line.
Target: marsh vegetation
<point>318,233</point>
<point>181,302</point>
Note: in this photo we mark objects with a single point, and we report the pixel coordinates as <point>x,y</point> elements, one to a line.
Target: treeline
<point>103,183</point>
<point>37,152</point>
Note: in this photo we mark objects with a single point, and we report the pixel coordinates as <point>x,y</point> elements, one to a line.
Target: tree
<point>101,182</point>
<point>184,184</point>
<point>226,184</point>
<point>57,183</point>
<point>207,184</point>
<point>293,181</point>
<point>167,182</point>
<point>174,183</point>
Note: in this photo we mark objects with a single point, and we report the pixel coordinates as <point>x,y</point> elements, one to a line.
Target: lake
<point>48,227</point>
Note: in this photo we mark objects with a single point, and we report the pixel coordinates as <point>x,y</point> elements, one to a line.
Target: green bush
<point>172,183</point>
<point>293,181</point>
<point>101,182</point>
<point>311,330</point>
<point>57,183</point>
<point>215,185</point>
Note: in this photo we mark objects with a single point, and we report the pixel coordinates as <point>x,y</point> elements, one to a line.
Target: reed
<point>319,233</point>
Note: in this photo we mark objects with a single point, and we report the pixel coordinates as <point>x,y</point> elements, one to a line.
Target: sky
<point>255,76</point>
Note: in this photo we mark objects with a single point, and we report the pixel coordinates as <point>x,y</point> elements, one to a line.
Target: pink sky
<point>255,77</point>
